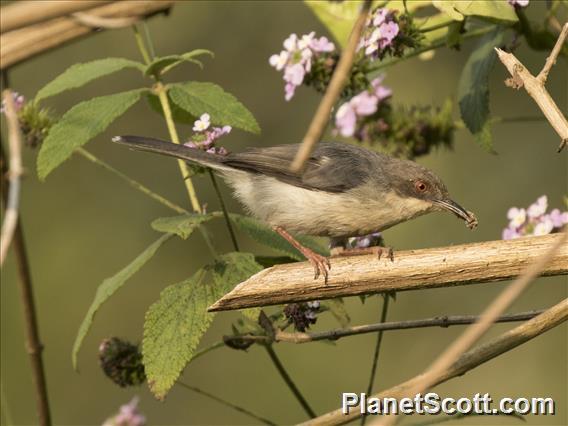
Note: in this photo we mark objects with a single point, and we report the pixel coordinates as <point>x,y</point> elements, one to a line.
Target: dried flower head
<point>121,362</point>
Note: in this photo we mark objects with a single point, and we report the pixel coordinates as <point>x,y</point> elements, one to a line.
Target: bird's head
<point>416,183</point>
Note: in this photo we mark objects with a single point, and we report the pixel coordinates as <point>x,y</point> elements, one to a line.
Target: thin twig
<point>33,343</point>
<point>340,75</point>
<point>521,77</point>
<point>227,403</point>
<point>473,333</point>
<point>14,174</point>
<point>135,184</point>
<point>225,211</point>
<point>384,311</point>
<point>551,60</point>
<point>284,374</point>
<point>335,334</point>
<point>466,264</point>
<point>471,359</point>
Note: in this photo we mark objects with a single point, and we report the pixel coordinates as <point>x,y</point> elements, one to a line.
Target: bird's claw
<point>389,250</point>
<point>321,264</point>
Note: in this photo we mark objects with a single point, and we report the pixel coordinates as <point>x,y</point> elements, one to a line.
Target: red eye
<point>420,186</point>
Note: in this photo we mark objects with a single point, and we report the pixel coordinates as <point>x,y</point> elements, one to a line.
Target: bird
<point>345,190</point>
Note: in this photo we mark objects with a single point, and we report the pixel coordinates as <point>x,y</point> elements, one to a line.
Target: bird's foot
<point>320,263</point>
<point>378,251</point>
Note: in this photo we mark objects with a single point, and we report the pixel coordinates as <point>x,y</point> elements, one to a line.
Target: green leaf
<point>485,139</point>
<point>182,225</point>
<point>473,87</point>
<point>494,10</point>
<point>175,323</point>
<point>198,98</point>
<point>81,124</point>
<point>266,236</point>
<point>160,66</point>
<point>80,74</point>
<point>109,287</point>
<point>179,115</point>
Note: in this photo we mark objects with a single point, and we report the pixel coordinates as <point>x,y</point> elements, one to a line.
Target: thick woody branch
<point>340,75</point>
<point>411,270</point>
<point>24,43</point>
<point>534,86</point>
<point>466,362</point>
<point>335,334</point>
<point>23,13</point>
<point>13,177</point>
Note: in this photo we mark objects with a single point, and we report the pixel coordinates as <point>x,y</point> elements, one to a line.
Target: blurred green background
<point>82,225</point>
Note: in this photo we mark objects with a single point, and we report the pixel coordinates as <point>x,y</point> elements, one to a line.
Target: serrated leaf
<point>473,87</point>
<point>182,225</point>
<point>337,309</point>
<point>485,139</point>
<point>160,66</point>
<point>109,287</point>
<point>81,124</point>
<point>493,10</point>
<point>80,74</point>
<point>266,236</point>
<point>179,115</point>
<point>198,98</point>
<point>175,323</point>
<point>339,17</point>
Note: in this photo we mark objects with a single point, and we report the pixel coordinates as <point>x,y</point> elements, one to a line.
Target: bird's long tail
<point>170,149</point>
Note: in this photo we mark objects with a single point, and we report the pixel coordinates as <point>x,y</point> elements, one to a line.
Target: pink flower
<point>322,45</point>
<point>279,61</point>
<point>380,16</point>
<point>289,90</point>
<point>538,208</point>
<point>19,101</point>
<point>364,103</point>
<point>294,74</point>
<point>558,218</point>
<point>519,3</point>
<point>345,120</point>
<point>127,416</point>
<point>510,233</point>
<point>517,217</point>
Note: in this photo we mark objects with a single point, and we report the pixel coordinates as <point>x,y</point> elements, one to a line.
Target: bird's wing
<point>333,167</point>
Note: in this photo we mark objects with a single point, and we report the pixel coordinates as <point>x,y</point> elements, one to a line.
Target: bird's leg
<point>320,263</point>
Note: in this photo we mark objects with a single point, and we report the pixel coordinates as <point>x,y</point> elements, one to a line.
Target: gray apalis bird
<point>344,191</point>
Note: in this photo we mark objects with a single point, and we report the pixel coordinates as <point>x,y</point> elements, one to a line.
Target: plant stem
<point>135,184</point>
<point>441,43</point>
<point>436,27</point>
<point>384,311</point>
<point>203,351</point>
<point>225,211</point>
<point>33,343</point>
<point>227,403</point>
<point>284,374</point>
<point>141,45</point>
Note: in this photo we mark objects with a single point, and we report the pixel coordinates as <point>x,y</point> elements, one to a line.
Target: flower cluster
<point>19,101</point>
<point>298,58</point>
<point>534,220</point>
<point>121,362</point>
<point>303,314</point>
<point>380,31</point>
<point>129,415</point>
<point>362,105</point>
<point>518,3</point>
<point>205,136</point>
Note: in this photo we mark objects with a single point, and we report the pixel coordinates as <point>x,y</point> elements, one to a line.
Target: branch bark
<point>535,86</point>
<point>411,270</point>
<point>509,340</point>
<point>13,175</point>
<point>335,334</point>
<point>340,75</point>
<point>23,13</point>
<point>21,44</point>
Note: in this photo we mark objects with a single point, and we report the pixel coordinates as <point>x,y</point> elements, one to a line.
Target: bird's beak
<point>459,211</point>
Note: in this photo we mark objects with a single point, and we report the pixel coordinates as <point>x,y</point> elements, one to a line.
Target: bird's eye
<point>420,186</point>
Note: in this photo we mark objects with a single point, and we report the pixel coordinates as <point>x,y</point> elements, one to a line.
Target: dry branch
<point>23,13</point>
<point>336,84</point>
<point>21,44</point>
<point>14,174</point>
<point>535,86</point>
<point>509,340</point>
<point>411,270</point>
